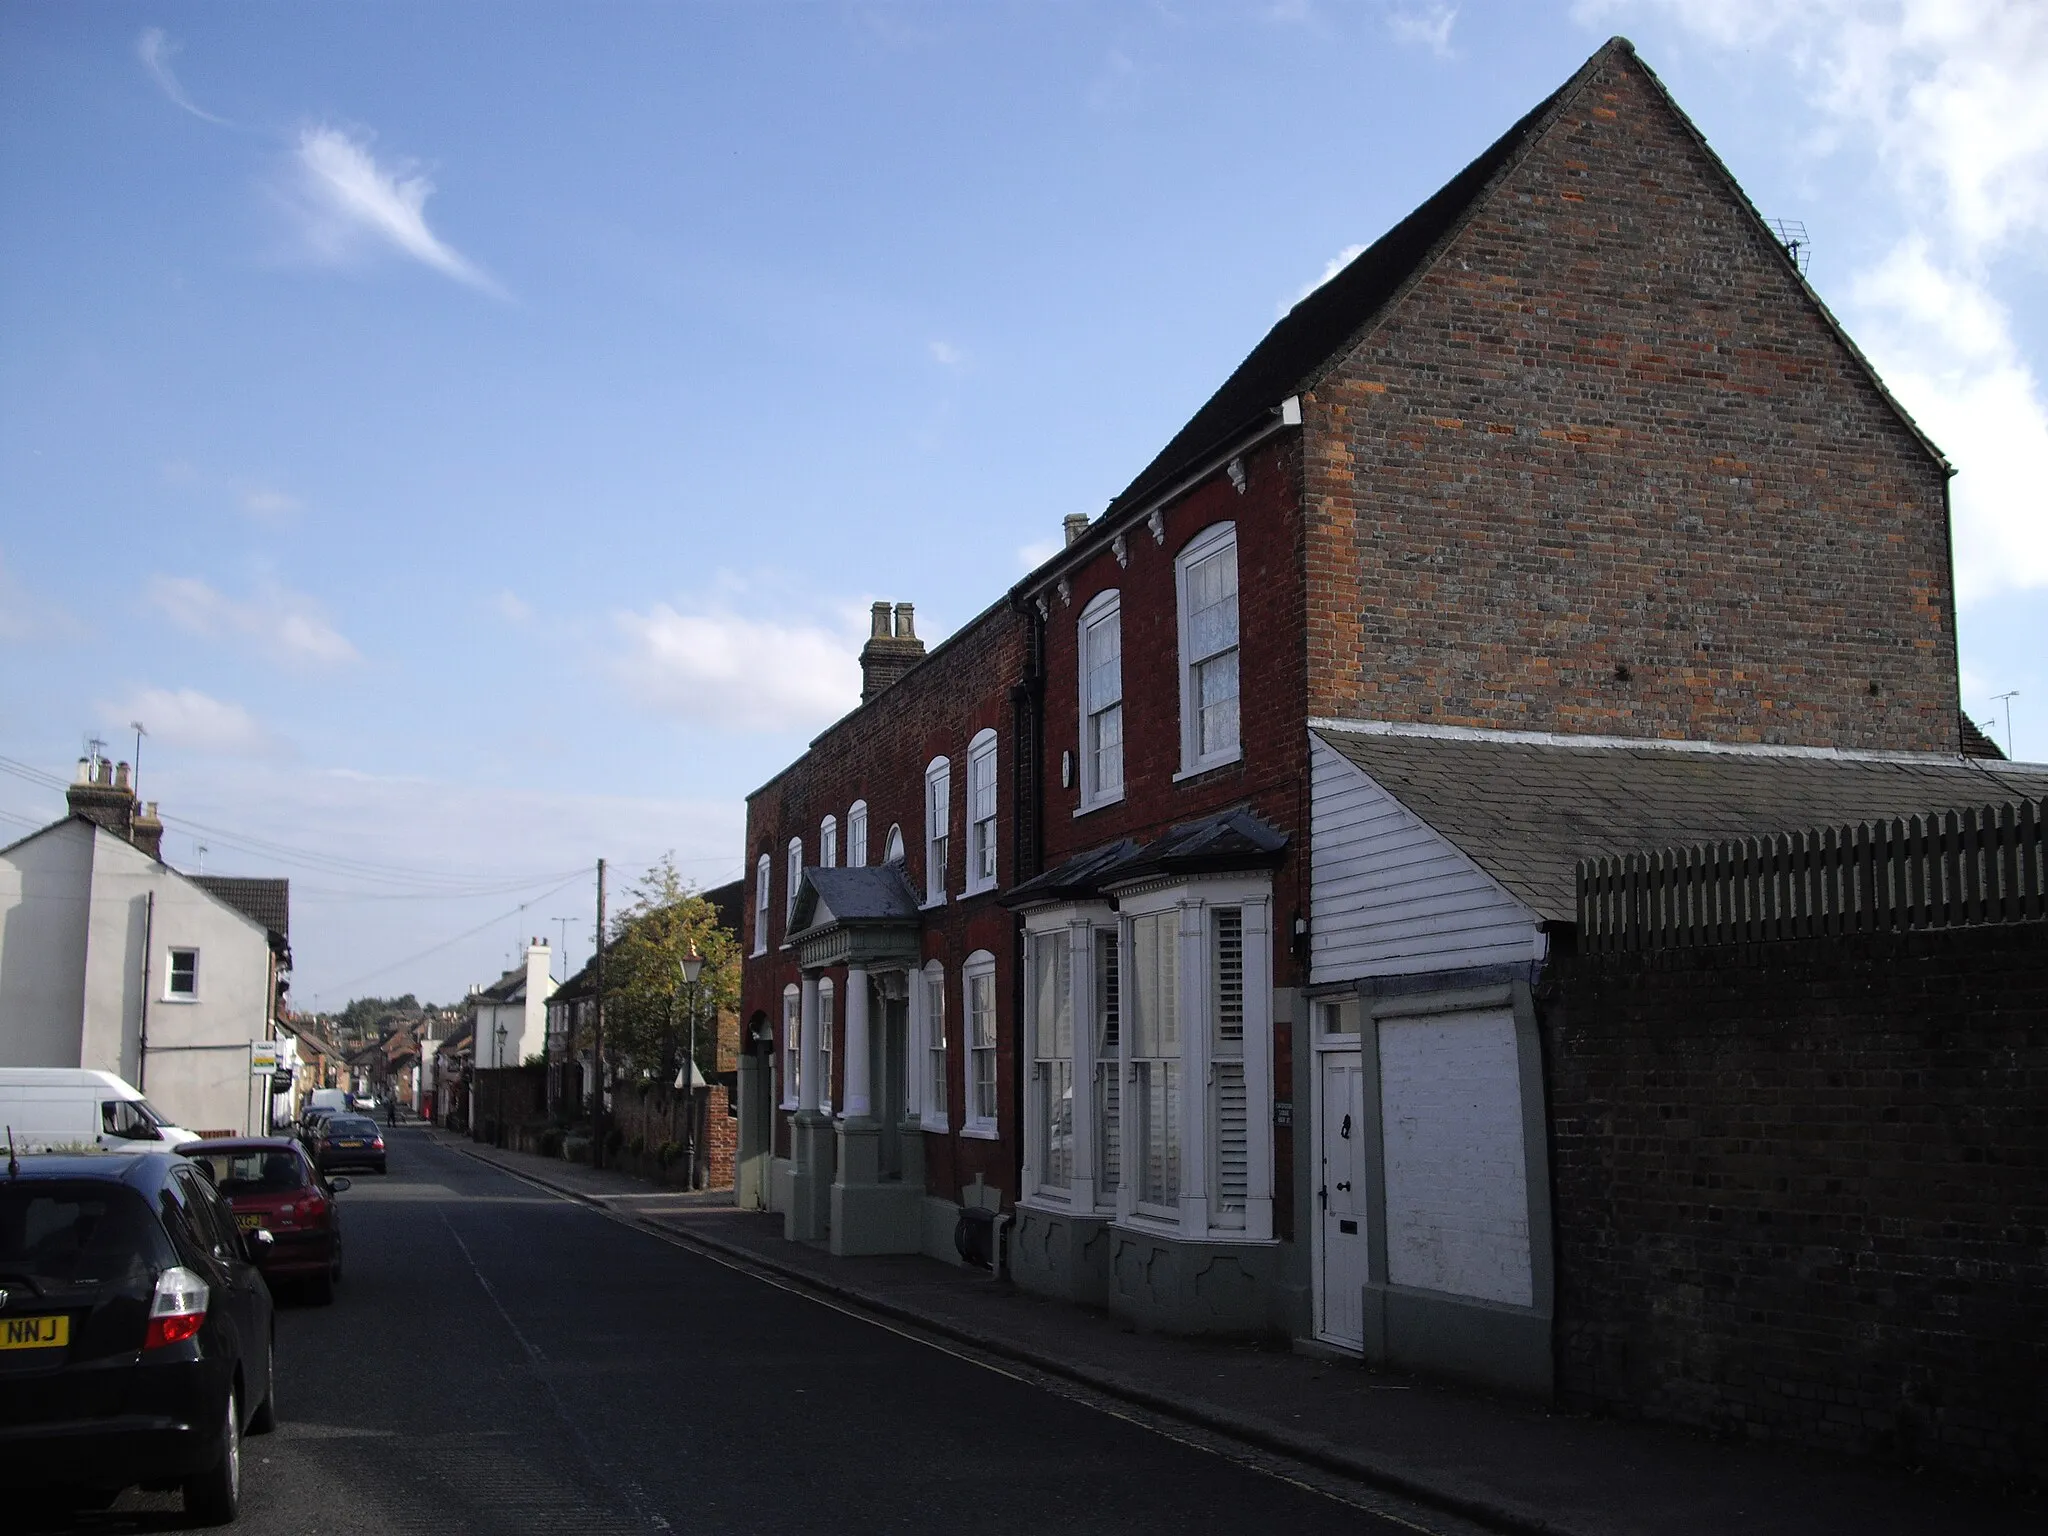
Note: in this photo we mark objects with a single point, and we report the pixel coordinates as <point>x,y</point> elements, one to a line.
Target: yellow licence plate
<point>348,1143</point>
<point>248,1223</point>
<point>35,1332</point>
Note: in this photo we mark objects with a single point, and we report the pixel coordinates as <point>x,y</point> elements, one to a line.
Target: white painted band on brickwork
<point>1663,744</point>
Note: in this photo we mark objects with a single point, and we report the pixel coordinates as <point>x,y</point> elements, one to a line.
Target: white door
<point>1341,1260</point>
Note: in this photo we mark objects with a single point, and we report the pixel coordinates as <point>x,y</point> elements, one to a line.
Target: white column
<point>809,1066</point>
<point>857,1096</point>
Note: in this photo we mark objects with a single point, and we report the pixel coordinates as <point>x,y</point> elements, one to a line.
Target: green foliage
<point>651,1017</point>
<point>637,1145</point>
<point>535,1059</point>
<point>671,1152</point>
<point>550,1142</point>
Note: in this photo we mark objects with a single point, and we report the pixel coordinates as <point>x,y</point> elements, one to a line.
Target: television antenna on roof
<point>2006,699</point>
<point>1792,235</point>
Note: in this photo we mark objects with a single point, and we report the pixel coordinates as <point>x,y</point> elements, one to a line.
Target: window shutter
<point>1229,1115</point>
<point>1109,1144</point>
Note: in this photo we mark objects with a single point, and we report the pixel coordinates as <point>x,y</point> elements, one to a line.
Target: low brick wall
<point>657,1118</point>
<point>1801,1192</point>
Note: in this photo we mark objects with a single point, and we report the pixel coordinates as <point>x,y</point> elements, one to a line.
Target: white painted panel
<point>1390,895</point>
<point>1456,1170</point>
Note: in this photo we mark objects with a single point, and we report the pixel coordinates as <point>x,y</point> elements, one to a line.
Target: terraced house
<point>1194,911</point>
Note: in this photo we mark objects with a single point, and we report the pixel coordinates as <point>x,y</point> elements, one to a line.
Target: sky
<point>469,437</point>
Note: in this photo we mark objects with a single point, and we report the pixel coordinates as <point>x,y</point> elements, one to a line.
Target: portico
<point>856,1178</point>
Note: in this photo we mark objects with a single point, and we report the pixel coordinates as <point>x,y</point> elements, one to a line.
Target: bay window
<point>1052,1066</point>
<point>1155,1064</point>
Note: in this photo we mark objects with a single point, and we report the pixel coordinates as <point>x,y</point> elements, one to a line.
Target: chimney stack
<point>892,649</point>
<point>146,831</point>
<point>101,795</point>
<point>1076,524</point>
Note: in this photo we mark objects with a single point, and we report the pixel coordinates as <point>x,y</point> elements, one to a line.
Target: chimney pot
<point>892,649</point>
<point>905,629</point>
<point>84,774</point>
<point>878,628</point>
<point>120,775</point>
<point>1076,524</point>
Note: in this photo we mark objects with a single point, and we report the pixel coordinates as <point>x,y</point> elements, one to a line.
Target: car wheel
<point>214,1496</point>
<point>265,1419</point>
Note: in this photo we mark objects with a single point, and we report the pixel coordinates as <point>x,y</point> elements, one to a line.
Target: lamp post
<point>692,967</point>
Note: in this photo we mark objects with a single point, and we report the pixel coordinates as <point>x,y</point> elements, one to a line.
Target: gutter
<point>1279,418</point>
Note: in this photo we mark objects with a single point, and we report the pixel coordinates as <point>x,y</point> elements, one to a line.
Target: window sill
<point>1166,1227</point>
<point>1210,766</point>
<point>178,997</point>
<point>788,1104</point>
<point>936,1127</point>
<point>981,1130</point>
<point>976,890</point>
<point>931,903</point>
<point>1103,804</point>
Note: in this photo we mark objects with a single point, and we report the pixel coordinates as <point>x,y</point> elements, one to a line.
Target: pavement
<point>1499,1463</point>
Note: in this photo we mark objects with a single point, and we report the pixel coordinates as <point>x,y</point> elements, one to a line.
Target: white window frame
<point>828,843</point>
<point>794,869</point>
<point>930,1040</point>
<point>173,993</point>
<point>938,828</point>
<point>1210,541</point>
<point>1049,1012</point>
<point>828,1009</point>
<point>984,856</point>
<point>981,966</point>
<point>857,835</point>
<point>764,869</point>
<point>892,845</point>
<point>1103,608</point>
<point>1191,905</point>
<point>792,1043</point>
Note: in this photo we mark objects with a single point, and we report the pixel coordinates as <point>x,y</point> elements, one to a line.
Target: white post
<point>857,1096</point>
<point>808,1063</point>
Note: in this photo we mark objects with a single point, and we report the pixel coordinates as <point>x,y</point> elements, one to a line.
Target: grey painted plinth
<point>870,1215</point>
<point>781,1170</point>
<point>1485,1342</point>
<point>1061,1254</point>
<point>941,1219</point>
<point>1176,1285</point>
<point>810,1182</point>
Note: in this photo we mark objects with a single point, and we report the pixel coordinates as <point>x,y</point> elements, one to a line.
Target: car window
<point>76,1231</point>
<point>207,1228</point>
<point>350,1125</point>
<point>258,1171</point>
<point>122,1117</point>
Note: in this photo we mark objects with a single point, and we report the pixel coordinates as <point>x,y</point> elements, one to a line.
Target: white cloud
<point>156,50</point>
<point>1331,268</point>
<point>1031,556</point>
<point>348,202</point>
<point>291,622</point>
<point>946,354</point>
<point>738,674</point>
<point>269,506</point>
<point>1427,26</point>
<point>512,608</point>
<point>187,720</point>
<point>25,616</point>
<point>1951,97</point>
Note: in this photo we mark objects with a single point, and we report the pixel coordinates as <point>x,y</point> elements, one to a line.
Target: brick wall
<point>656,1118</point>
<point>1608,428</point>
<point>1801,1192</point>
<point>879,754</point>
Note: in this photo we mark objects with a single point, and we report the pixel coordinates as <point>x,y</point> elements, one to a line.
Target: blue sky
<point>469,436</point>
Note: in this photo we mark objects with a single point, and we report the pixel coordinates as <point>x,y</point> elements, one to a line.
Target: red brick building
<point>1570,476</point>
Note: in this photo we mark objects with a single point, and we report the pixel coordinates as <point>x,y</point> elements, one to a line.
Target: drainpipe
<point>142,1031</point>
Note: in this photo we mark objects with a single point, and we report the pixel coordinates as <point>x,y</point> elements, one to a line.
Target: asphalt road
<point>500,1360</point>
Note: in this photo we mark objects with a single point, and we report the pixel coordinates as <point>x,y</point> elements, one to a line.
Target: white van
<point>336,1099</point>
<point>47,1107</point>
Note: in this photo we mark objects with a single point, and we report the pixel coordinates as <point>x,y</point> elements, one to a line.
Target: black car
<point>135,1333</point>
<point>348,1141</point>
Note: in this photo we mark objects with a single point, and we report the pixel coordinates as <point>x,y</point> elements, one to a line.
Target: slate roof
<point>264,901</point>
<point>1229,840</point>
<point>1526,810</point>
<point>1975,742</point>
<point>508,988</point>
<point>878,893</point>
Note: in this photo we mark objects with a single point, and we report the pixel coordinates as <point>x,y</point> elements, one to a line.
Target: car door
<point>247,1295</point>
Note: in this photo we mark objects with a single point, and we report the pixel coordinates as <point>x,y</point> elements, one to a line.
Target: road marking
<point>1272,1464</point>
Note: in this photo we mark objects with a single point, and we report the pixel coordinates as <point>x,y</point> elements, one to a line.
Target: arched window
<point>761,875</point>
<point>828,843</point>
<point>792,1043</point>
<point>1205,580</point>
<point>796,875</point>
<point>938,823</point>
<point>981,812</point>
<point>827,1000</point>
<point>892,846</point>
<point>978,1028</point>
<point>1101,646</point>
<point>930,1076</point>
<point>857,835</point>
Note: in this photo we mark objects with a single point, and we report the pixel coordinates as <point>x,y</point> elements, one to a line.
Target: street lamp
<point>692,967</point>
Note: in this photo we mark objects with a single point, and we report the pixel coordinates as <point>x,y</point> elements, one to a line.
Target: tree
<point>652,1020</point>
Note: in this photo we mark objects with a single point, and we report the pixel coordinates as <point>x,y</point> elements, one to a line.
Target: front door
<point>1341,1247</point>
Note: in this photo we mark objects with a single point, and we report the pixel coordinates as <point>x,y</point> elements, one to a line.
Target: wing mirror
<point>257,1244</point>
<point>338,1185</point>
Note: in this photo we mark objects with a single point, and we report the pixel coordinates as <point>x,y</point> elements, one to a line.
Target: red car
<point>274,1187</point>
